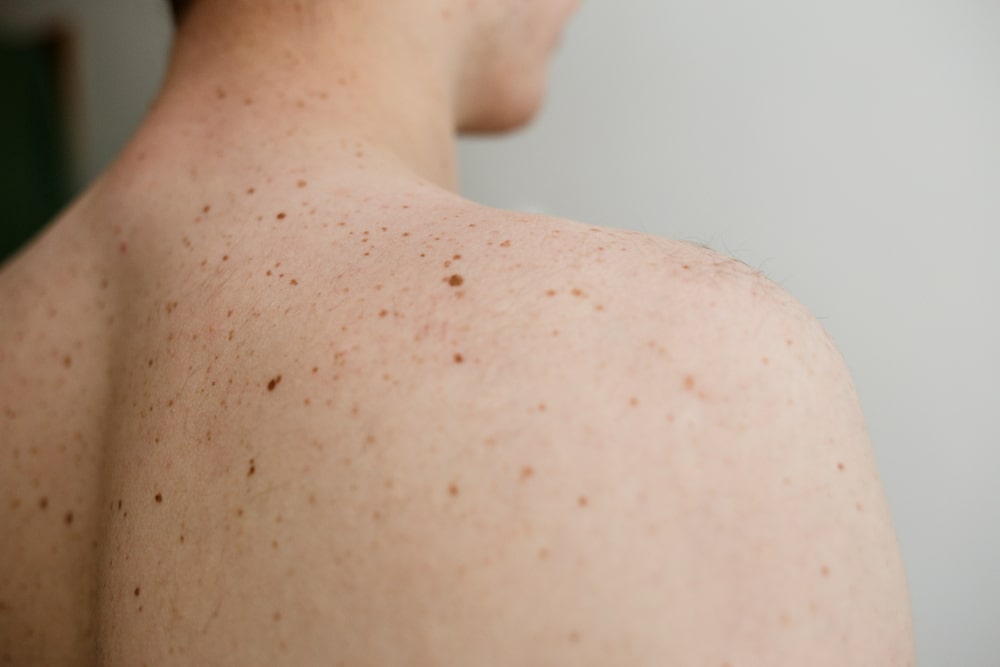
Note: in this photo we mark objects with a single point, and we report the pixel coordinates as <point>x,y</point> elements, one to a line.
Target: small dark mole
<point>119,503</point>
<point>294,281</point>
<point>68,518</point>
<point>687,268</point>
<point>225,258</point>
<point>315,369</point>
<point>583,501</point>
<point>182,539</point>
<point>250,191</point>
<point>453,489</point>
<point>206,209</point>
<point>281,216</point>
<point>456,280</point>
<point>457,257</point>
<point>43,503</point>
<point>253,468</point>
<point>458,359</point>
<point>67,361</point>
<point>273,383</point>
<point>137,591</point>
<point>505,244</point>
<point>383,313</point>
<point>159,497</point>
<point>239,512</point>
<point>840,466</point>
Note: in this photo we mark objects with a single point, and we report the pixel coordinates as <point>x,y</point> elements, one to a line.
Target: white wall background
<point>850,150</point>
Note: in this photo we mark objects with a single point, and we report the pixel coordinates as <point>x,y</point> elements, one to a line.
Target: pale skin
<point>272,393</point>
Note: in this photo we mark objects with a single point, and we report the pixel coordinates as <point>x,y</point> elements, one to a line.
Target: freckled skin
<point>582,452</point>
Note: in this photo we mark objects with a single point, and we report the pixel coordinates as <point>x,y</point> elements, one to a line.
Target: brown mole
<point>159,497</point>
<point>273,383</point>
<point>456,280</point>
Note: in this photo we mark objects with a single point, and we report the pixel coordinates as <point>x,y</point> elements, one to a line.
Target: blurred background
<point>849,150</point>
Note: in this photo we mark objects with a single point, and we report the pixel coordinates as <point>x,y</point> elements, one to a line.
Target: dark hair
<point>180,8</point>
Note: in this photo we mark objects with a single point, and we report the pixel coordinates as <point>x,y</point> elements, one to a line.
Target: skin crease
<point>271,392</point>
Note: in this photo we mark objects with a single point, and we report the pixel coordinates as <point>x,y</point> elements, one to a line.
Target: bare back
<point>307,423</point>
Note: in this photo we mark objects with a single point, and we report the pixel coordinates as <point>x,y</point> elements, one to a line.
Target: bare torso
<point>162,366</point>
<point>297,419</point>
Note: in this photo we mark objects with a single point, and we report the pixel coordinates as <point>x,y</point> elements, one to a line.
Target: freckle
<point>253,468</point>
<point>239,512</point>
<point>225,258</point>
<point>68,518</point>
<point>840,467</point>
<point>123,248</point>
<point>277,616</point>
<point>206,209</point>
<point>634,401</point>
<point>541,407</point>
<point>182,539</point>
<point>766,361</point>
<point>294,281</point>
<point>250,191</point>
<point>689,382</point>
<point>578,292</point>
<point>268,272</point>
<point>575,638</point>
<point>583,501</point>
<point>273,383</point>
<point>136,591</point>
<point>281,216</point>
<point>505,244</point>
<point>789,342</point>
<point>302,184</point>
<point>383,313</point>
<point>457,257</point>
<point>859,507</point>
<point>551,292</point>
<point>453,489</point>
<point>458,359</point>
<point>456,280</point>
<point>686,267</point>
<point>43,503</point>
<point>826,571</point>
<point>274,544</point>
<point>159,497</point>
<point>527,472</point>
<point>543,554</point>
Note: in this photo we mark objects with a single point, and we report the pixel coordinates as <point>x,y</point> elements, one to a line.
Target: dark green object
<point>34,183</point>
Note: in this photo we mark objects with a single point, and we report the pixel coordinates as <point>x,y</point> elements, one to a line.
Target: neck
<point>356,85</point>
